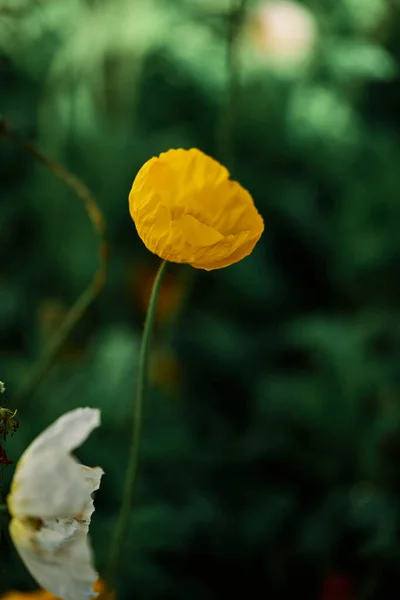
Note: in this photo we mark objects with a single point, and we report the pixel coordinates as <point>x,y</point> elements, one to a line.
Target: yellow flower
<point>103,594</point>
<point>187,210</point>
<point>51,506</point>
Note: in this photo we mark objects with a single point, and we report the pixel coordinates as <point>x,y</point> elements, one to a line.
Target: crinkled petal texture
<point>187,210</point>
<point>51,506</point>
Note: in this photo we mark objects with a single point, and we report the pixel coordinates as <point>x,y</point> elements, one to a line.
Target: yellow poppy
<point>187,210</point>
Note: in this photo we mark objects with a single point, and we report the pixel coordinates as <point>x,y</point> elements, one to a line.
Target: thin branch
<point>79,308</point>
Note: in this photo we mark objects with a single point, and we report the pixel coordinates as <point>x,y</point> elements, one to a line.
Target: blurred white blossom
<point>283,31</point>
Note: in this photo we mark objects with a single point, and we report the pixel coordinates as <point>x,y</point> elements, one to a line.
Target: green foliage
<point>276,460</point>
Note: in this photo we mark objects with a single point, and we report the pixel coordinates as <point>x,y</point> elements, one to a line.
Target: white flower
<point>285,31</point>
<point>51,505</point>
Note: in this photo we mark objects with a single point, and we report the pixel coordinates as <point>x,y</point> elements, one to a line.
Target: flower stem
<point>133,463</point>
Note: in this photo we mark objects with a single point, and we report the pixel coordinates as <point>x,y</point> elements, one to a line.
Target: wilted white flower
<point>51,505</point>
<point>284,31</point>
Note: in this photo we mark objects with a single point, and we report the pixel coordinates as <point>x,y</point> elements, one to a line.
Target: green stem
<point>131,473</point>
<point>3,507</point>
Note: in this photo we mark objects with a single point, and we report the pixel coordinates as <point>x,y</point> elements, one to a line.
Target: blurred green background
<point>270,462</point>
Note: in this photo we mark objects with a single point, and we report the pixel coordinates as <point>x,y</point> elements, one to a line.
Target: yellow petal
<point>103,593</point>
<point>196,233</point>
<point>35,595</point>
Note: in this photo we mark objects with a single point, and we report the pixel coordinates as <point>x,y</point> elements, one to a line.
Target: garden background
<point>271,449</point>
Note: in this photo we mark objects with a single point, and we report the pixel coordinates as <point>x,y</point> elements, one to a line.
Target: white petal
<point>69,431</point>
<point>92,477</point>
<point>48,482</point>
<point>51,506</point>
<point>58,556</point>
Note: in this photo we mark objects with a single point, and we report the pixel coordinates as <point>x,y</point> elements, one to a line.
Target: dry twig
<point>78,309</point>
